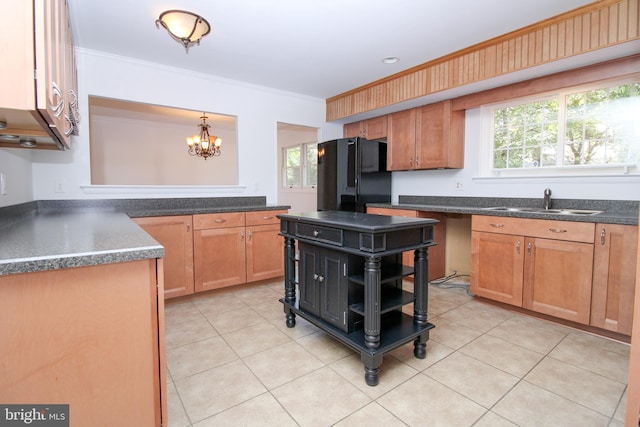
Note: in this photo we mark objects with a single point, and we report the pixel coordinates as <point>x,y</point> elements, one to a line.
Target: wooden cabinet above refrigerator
<point>39,100</point>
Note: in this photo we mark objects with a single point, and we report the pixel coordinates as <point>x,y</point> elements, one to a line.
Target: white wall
<point>443,182</point>
<point>15,165</point>
<point>257,109</point>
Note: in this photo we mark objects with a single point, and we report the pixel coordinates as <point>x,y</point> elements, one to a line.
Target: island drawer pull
<point>220,220</point>
<point>497,225</point>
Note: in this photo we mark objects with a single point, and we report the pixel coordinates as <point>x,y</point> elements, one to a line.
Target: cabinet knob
<point>320,279</point>
<point>315,277</point>
<point>603,236</point>
<point>518,247</point>
<point>316,233</point>
<point>529,246</point>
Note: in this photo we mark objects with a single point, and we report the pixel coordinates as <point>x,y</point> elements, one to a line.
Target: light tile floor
<point>232,361</point>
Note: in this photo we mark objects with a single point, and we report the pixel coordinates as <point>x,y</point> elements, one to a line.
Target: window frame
<point>486,169</point>
<point>303,167</point>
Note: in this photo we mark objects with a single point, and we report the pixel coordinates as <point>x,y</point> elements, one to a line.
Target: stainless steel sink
<point>545,211</point>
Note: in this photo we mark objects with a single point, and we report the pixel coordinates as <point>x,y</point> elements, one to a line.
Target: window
<point>300,166</point>
<point>576,130</point>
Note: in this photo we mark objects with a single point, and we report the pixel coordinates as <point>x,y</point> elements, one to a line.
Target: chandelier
<point>184,27</point>
<point>204,145</point>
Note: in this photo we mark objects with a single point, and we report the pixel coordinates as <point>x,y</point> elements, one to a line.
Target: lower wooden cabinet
<point>497,265</point>
<point>541,265</point>
<point>175,234</point>
<point>614,278</point>
<point>236,247</point>
<point>210,251</point>
<point>90,337</point>
<point>557,278</point>
<point>437,254</point>
<point>219,256</point>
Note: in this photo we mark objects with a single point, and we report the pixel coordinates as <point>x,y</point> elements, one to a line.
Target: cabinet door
<point>439,137</point>
<point>219,257</point>
<point>352,130</point>
<point>51,27</point>
<point>614,281</point>
<point>401,140</point>
<point>333,285</point>
<point>265,252</point>
<point>497,266</point>
<point>376,128</point>
<point>557,278</point>
<point>174,233</point>
<point>308,266</point>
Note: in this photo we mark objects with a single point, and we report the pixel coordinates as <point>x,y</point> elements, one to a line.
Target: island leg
<point>372,363</point>
<point>421,294</point>
<point>420,286</point>
<point>420,346</point>
<point>289,280</point>
<point>372,301</point>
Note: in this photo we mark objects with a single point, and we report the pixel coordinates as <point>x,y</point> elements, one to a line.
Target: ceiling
<point>318,48</point>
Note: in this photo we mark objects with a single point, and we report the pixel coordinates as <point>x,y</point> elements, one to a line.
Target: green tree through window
<point>585,128</point>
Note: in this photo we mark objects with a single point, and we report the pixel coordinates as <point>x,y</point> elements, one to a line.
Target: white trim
<point>161,189</point>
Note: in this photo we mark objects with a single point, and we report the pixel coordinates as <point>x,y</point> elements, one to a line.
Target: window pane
<point>311,176</point>
<point>600,125</point>
<point>311,152</point>
<point>292,156</point>
<point>532,125</point>
<point>292,177</point>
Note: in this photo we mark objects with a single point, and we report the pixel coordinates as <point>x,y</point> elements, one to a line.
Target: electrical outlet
<point>459,186</point>
<point>59,185</point>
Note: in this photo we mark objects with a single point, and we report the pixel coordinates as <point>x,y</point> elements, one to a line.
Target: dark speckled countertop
<point>54,234</point>
<point>612,211</point>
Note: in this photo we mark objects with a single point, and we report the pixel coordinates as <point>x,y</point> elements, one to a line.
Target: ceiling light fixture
<point>204,145</point>
<point>390,60</point>
<point>184,27</point>
<point>28,143</point>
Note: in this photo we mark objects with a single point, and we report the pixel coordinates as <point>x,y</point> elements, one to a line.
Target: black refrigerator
<point>351,173</point>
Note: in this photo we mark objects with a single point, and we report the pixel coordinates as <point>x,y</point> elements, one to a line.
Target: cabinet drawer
<point>320,234</point>
<point>543,228</point>
<point>263,217</point>
<point>218,220</point>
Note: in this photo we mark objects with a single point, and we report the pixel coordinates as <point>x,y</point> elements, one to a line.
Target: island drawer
<point>319,233</point>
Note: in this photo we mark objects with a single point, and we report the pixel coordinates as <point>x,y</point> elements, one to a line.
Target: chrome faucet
<point>547,198</point>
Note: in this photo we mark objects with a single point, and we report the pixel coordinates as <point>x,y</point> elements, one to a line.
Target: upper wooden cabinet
<point>39,90</point>
<point>427,137</point>
<point>401,140</point>
<point>439,137</point>
<point>375,128</point>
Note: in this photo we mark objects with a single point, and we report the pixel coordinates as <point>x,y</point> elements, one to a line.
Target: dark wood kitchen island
<point>348,280</point>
